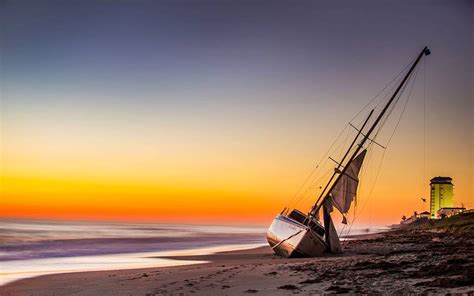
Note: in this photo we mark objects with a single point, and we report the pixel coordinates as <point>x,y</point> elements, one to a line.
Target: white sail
<point>345,190</point>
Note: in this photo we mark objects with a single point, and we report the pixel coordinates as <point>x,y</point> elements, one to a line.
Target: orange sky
<point>242,182</point>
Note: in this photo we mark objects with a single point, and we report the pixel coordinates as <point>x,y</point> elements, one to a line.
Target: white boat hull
<point>289,238</point>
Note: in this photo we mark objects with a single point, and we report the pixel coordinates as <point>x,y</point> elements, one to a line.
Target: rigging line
<point>342,230</point>
<point>297,199</point>
<point>375,182</point>
<point>385,98</point>
<point>390,139</point>
<point>316,167</point>
<point>398,89</point>
<point>312,188</point>
<point>388,94</point>
<point>383,157</point>
<point>317,180</point>
<point>356,214</point>
<point>365,169</point>
<point>341,149</point>
<point>390,111</point>
<point>338,150</point>
<point>349,124</point>
<point>370,147</point>
<point>384,121</point>
<point>404,107</point>
<point>424,124</point>
<point>397,99</point>
<point>318,205</point>
<point>312,185</point>
<point>383,89</point>
<point>363,172</point>
<point>282,241</point>
<point>385,108</point>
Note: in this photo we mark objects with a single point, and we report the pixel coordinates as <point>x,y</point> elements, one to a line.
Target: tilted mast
<point>318,204</point>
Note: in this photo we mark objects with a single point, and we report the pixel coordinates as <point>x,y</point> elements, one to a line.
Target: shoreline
<point>398,261</point>
<point>142,260</point>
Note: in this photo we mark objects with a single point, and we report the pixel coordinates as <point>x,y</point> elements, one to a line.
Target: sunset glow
<point>188,116</point>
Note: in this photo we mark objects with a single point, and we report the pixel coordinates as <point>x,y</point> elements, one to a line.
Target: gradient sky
<point>216,111</point>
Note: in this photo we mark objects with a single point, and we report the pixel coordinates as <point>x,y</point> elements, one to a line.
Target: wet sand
<point>397,262</point>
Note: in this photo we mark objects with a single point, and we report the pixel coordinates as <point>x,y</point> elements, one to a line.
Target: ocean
<point>37,247</point>
<point>34,248</point>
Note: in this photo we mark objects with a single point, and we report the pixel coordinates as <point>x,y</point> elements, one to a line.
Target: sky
<point>216,111</point>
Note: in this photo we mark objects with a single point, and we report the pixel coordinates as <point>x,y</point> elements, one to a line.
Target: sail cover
<point>332,239</point>
<point>344,191</point>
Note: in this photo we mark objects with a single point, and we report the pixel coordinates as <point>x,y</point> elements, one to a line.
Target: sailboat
<point>297,234</point>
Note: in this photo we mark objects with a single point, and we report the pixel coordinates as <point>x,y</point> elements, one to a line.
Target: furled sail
<point>344,191</point>
<point>332,239</point>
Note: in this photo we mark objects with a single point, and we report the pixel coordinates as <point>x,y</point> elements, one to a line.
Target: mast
<point>316,207</point>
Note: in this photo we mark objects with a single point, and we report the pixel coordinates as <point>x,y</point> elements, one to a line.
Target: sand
<point>397,262</point>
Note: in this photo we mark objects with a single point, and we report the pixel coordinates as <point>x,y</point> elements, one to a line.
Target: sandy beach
<point>399,261</point>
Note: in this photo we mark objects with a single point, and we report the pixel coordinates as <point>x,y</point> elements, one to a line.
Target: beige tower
<point>441,195</point>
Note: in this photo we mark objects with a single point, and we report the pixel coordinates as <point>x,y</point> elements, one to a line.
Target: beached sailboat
<point>296,234</point>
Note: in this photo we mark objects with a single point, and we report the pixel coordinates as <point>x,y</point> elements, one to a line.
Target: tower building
<point>441,195</point>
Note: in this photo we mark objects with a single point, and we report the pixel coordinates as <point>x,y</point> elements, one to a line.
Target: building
<point>441,195</point>
<point>408,220</point>
<point>415,216</point>
<point>448,212</point>
<point>424,214</point>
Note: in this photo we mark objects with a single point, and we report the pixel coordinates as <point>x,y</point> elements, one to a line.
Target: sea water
<point>38,247</point>
<point>34,248</point>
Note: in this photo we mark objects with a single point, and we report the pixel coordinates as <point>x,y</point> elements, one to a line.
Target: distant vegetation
<point>458,223</point>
